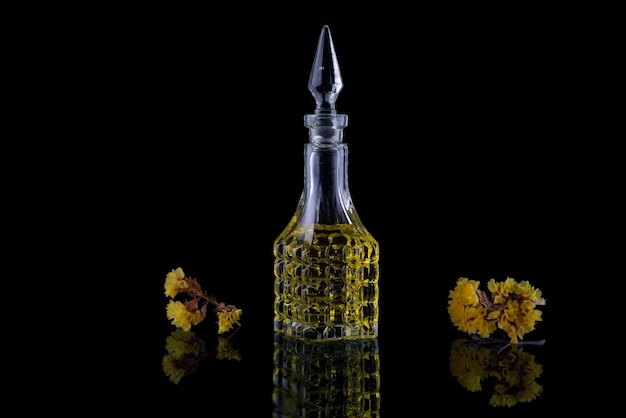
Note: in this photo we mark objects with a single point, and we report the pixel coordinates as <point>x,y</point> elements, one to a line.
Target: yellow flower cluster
<point>181,317</point>
<point>513,373</point>
<point>194,310</point>
<point>185,351</point>
<point>226,320</point>
<point>511,307</point>
<point>175,282</point>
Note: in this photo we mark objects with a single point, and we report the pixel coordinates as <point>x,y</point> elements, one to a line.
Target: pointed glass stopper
<point>325,124</point>
<point>325,80</point>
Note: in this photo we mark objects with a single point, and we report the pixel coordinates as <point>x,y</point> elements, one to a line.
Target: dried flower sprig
<point>194,310</point>
<point>185,351</point>
<point>510,306</point>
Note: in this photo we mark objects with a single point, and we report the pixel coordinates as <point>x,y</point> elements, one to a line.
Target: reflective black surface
<point>414,362</point>
<point>458,171</point>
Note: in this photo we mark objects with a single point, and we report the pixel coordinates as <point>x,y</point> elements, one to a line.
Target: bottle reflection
<point>326,379</point>
<point>507,369</point>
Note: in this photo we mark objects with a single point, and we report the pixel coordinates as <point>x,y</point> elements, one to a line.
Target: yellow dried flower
<point>226,320</point>
<point>194,310</point>
<point>511,308</point>
<point>184,350</point>
<point>465,311</point>
<point>181,317</point>
<point>174,282</point>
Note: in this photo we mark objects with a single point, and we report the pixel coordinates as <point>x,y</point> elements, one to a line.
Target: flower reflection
<point>185,351</point>
<point>511,371</point>
<point>326,379</point>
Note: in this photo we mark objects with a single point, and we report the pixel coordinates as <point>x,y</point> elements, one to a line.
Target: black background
<point>187,127</point>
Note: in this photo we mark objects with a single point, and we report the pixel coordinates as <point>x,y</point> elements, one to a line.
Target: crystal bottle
<point>326,263</point>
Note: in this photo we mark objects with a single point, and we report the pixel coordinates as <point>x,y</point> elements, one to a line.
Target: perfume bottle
<point>326,263</point>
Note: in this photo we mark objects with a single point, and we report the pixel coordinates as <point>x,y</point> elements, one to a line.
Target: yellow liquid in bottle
<point>326,282</point>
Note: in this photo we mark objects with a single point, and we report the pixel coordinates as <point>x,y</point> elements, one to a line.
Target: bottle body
<point>326,264</point>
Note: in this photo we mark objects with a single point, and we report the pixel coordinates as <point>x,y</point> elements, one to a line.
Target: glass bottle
<point>326,262</point>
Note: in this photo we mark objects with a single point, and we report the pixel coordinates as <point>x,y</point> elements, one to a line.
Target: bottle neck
<point>325,128</point>
<point>326,196</point>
